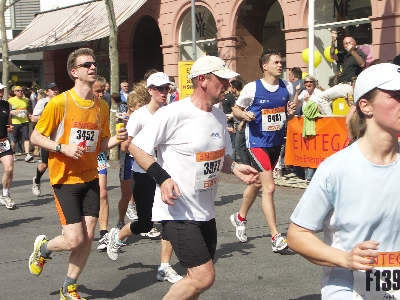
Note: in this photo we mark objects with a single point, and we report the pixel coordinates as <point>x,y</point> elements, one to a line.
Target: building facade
<point>159,35</point>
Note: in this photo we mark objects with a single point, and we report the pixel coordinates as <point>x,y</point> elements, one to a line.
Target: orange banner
<point>311,151</point>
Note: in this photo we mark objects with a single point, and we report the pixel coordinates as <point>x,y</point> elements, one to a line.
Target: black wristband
<point>158,173</point>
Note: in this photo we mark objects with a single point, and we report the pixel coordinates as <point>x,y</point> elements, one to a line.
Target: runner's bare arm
<point>241,114</point>
<point>304,242</point>
<point>245,173</point>
<point>38,139</point>
<point>113,141</point>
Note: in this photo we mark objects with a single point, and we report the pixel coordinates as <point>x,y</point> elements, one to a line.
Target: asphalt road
<point>244,271</point>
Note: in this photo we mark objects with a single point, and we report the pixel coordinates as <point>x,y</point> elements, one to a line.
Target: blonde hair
<point>139,95</point>
<point>41,94</point>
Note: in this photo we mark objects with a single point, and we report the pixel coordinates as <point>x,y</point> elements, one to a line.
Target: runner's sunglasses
<point>87,64</point>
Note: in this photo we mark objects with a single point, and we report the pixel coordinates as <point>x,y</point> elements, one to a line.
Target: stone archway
<point>147,53</point>
<point>253,36</point>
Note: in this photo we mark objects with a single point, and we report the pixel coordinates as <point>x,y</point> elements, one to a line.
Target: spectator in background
<point>295,77</point>
<point>33,97</point>
<point>107,90</point>
<point>227,105</point>
<point>101,84</point>
<point>124,92</point>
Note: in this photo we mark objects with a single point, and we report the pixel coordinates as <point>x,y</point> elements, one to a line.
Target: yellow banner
<point>185,84</point>
<point>311,151</point>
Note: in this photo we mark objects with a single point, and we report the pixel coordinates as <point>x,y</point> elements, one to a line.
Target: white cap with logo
<point>158,79</point>
<point>383,76</point>
<point>211,64</point>
<point>2,86</point>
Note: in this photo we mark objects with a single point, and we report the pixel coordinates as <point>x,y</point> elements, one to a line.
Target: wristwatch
<point>57,148</point>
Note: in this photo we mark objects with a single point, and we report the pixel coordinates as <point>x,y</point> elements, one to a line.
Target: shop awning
<point>72,26</point>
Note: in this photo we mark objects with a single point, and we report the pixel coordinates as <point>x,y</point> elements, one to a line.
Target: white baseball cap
<point>158,79</point>
<point>2,86</point>
<point>383,76</point>
<point>211,64</point>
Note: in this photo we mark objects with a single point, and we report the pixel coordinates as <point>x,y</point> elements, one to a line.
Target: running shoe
<point>28,157</point>
<point>240,228</point>
<point>113,246</point>
<point>131,213</point>
<point>278,243</point>
<point>15,157</point>
<point>36,261</point>
<point>120,225</point>
<point>103,242</point>
<point>168,274</point>
<point>151,234</point>
<point>36,188</point>
<point>7,202</point>
<point>72,293</point>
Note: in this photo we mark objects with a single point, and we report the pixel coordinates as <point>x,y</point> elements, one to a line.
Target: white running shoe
<point>168,274</point>
<point>7,202</point>
<point>103,242</point>
<point>36,188</point>
<point>28,157</point>
<point>278,243</point>
<point>131,213</point>
<point>151,234</point>
<point>240,228</point>
<point>113,246</point>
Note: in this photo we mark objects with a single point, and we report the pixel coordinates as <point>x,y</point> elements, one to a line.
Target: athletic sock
<point>240,218</point>
<point>131,205</point>
<point>44,252</point>
<point>68,281</point>
<point>103,232</point>
<point>38,176</point>
<point>5,192</point>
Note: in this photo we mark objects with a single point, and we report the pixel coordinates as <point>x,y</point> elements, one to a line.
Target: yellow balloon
<point>14,78</point>
<point>304,75</point>
<point>317,58</point>
<point>304,55</point>
<point>327,53</point>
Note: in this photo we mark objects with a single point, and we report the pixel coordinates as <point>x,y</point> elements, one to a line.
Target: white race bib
<point>273,119</point>
<point>84,138</point>
<point>21,113</point>
<point>4,146</point>
<point>208,167</point>
<point>102,162</point>
<point>382,282</point>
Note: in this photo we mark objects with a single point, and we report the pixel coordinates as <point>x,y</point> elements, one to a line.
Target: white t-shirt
<point>353,201</point>
<point>39,107</point>
<point>313,96</point>
<point>246,96</point>
<point>137,120</point>
<point>191,146</point>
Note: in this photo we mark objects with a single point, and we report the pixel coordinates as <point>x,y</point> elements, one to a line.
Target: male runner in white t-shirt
<point>265,104</point>
<point>193,146</point>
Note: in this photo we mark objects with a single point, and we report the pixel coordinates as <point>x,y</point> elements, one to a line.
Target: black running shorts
<point>194,242</point>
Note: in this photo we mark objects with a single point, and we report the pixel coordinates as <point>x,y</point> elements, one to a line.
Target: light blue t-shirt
<point>353,201</point>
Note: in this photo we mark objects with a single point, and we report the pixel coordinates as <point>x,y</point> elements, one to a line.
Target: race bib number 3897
<point>382,282</point>
<point>208,167</point>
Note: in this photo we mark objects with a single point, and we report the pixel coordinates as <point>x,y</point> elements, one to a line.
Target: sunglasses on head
<point>87,64</point>
<point>161,88</point>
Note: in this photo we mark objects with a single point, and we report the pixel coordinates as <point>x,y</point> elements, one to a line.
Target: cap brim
<point>159,84</point>
<point>392,85</point>
<point>226,74</point>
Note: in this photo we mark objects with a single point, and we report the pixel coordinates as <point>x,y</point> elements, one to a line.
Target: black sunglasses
<point>161,88</point>
<point>87,64</point>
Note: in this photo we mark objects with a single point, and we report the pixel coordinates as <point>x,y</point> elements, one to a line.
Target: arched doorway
<point>147,53</point>
<point>259,26</point>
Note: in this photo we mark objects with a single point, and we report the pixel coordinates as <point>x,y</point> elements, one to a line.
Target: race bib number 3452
<point>382,282</point>
<point>208,167</point>
<point>85,138</point>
